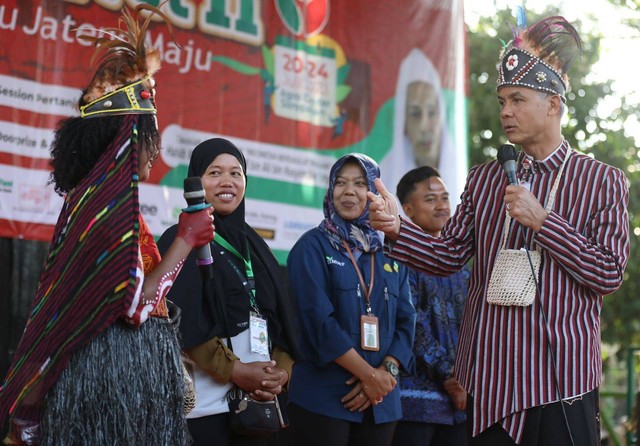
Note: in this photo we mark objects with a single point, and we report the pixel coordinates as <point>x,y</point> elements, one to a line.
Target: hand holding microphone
<point>507,157</point>
<point>521,204</point>
<point>196,228</point>
<point>195,225</point>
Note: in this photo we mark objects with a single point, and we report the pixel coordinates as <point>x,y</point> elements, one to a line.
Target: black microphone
<point>194,194</point>
<point>507,158</point>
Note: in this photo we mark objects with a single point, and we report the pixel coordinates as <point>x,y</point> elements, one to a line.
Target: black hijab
<point>231,226</point>
<point>200,319</point>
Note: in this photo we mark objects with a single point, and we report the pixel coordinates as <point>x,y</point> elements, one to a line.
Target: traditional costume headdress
<point>539,56</point>
<point>123,82</point>
<point>90,277</point>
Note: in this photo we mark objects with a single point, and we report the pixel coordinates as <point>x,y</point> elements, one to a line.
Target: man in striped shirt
<point>532,372</point>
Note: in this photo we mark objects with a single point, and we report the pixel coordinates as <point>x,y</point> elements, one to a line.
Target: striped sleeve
<point>445,255</point>
<point>597,257</point>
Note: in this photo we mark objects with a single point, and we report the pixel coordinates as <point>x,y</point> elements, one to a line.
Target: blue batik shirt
<point>439,303</point>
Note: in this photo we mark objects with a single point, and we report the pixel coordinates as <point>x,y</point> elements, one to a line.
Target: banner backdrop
<point>293,83</point>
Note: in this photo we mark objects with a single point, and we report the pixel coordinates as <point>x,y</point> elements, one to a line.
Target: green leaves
<point>237,66</point>
<point>267,59</point>
<point>342,91</point>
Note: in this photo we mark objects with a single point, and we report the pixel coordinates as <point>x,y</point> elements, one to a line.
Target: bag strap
<point>248,284</point>
<point>550,201</point>
<point>222,308</point>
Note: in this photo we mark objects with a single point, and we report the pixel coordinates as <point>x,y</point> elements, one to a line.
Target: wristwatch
<point>391,368</point>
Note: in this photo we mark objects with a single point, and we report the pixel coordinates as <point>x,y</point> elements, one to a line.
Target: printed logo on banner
<point>148,210</point>
<point>153,207</point>
<point>304,78</point>
<point>6,185</point>
<point>303,17</point>
<point>267,234</point>
<point>33,198</point>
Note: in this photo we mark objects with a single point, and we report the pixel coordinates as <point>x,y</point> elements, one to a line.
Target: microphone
<point>507,158</point>
<point>194,194</point>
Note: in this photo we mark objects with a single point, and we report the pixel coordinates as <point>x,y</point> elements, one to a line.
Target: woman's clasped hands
<point>370,391</point>
<point>261,379</point>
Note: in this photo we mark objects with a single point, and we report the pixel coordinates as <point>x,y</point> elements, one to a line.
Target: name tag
<point>259,334</point>
<point>370,333</point>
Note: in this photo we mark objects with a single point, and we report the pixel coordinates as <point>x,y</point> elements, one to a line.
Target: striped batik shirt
<point>503,356</point>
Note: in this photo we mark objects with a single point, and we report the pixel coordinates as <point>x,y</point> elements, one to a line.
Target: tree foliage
<point>629,6</point>
<point>597,124</point>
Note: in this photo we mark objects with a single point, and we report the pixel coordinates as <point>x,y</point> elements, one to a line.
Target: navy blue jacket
<point>325,285</point>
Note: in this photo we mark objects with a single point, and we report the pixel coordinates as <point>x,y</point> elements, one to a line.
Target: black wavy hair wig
<point>79,142</point>
<point>407,183</point>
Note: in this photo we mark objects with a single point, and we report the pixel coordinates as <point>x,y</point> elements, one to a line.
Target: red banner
<point>295,84</point>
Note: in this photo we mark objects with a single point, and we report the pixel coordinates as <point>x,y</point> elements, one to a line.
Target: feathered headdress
<point>540,56</point>
<point>123,82</point>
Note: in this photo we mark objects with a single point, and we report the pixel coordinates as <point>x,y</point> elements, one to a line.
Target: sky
<point>618,43</point>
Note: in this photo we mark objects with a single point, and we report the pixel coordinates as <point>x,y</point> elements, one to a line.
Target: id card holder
<point>259,334</point>
<point>370,335</point>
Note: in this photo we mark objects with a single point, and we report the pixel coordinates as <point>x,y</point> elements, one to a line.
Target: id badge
<point>370,333</point>
<point>259,334</point>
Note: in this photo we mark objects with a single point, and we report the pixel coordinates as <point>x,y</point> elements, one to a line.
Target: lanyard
<point>367,292</point>
<point>247,266</point>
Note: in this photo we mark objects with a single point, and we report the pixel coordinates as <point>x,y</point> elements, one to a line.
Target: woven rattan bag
<point>512,281</point>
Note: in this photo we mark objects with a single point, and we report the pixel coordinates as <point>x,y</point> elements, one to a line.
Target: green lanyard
<point>247,266</point>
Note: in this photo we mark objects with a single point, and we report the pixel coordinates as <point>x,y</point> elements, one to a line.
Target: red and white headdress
<point>539,56</point>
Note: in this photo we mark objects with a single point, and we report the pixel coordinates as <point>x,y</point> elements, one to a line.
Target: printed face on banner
<point>423,122</point>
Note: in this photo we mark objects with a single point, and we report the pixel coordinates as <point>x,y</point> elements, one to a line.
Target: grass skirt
<point>123,388</point>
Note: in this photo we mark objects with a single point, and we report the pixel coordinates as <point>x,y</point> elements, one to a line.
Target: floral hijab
<point>358,233</point>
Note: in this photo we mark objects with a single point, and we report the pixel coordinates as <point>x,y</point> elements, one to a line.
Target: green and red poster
<point>294,84</point>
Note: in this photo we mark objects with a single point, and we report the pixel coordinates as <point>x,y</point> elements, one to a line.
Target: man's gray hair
<point>563,106</point>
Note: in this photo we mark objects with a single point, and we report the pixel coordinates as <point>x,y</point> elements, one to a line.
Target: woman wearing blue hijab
<point>356,320</point>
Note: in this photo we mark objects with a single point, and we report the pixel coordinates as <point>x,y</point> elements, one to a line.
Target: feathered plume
<point>123,57</point>
<point>555,41</point>
<point>521,25</point>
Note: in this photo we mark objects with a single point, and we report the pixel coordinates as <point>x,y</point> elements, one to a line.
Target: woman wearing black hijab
<point>238,252</point>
